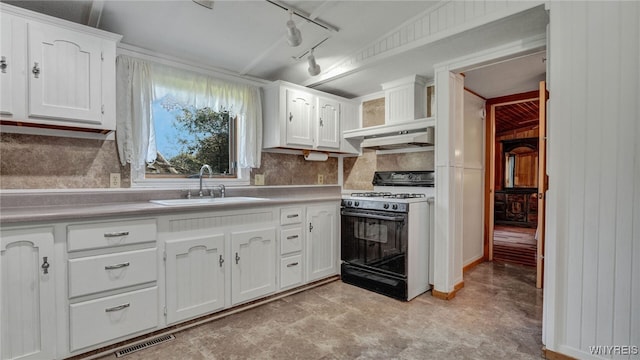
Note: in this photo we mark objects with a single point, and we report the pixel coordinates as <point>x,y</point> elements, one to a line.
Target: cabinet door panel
<point>322,222</point>
<point>67,85</point>
<point>12,52</point>
<point>28,295</point>
<point>299,113</point>
<point>194,276</point>
<point>253,268</point>
<point>328,124</point>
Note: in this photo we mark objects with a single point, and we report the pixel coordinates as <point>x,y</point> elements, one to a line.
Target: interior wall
<point>473,179</point>
<point>50,162</point>
<point>592,257</point>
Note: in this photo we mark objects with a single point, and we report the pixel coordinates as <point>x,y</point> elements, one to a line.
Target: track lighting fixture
<point>294,38</point>
<point>314,68</point>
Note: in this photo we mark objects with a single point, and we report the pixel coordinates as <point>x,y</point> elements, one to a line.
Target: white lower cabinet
<point>28,294</point>
<point>95,321</point>
<point>253,270</point>
<point>322,241</point>
<point>194,276</point>
<point>291,271</point>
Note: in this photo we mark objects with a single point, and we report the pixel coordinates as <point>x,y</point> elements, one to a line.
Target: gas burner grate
<point>404,196</point>
<point>371,194</point>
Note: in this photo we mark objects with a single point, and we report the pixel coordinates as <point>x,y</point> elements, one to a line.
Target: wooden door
<point>28,294</point>
<point>253,267</point>
<point>65,74</point>
<point>299,118</point>
<point>195,276</point>
<point>542,182</point>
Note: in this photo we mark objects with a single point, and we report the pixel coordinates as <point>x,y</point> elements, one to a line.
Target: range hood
<point>405,123</point>
<point>414,133</point>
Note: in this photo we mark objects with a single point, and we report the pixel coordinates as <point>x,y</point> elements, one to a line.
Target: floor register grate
<point>144,345</point>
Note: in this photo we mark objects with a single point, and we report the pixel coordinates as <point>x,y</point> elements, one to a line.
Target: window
<point>172,119</point>
<point>188,137</point>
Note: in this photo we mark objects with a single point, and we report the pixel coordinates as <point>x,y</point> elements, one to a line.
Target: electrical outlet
<point>114,180</point>
<point>320,179</point>
<point>259,179</point>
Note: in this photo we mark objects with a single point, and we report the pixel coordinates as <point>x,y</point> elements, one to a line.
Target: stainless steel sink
<point>207,201</point>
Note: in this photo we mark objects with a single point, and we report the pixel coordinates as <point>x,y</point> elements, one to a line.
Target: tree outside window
<point>188,137</point>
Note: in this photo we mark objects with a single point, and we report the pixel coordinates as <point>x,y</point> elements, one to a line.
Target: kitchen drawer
<point>93,274</point>
<point>96,321</point>
<point>291,240</point>
<point>107,234</point>
<point>290,271</point>
<point>291,215</point>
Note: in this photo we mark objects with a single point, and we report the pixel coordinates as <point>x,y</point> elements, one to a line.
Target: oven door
<point>376,240</point>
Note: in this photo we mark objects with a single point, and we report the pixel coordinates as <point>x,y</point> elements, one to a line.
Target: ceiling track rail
<point>304,16</point>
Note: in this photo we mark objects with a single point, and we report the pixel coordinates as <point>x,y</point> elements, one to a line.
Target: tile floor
<point>497,315</point>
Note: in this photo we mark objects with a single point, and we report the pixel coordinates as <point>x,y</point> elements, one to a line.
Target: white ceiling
<point>248,37</point>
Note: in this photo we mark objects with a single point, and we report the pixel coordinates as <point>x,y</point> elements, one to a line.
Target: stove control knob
<point>357,203</point>
<point>386,206</point>
<point>349,203</point>
<point>395,207</point>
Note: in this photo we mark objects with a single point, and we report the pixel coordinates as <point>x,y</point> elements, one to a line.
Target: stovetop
<point>387,195</point>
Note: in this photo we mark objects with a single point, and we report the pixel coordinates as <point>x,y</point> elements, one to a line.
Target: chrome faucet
<point>222,190</point>
<point>205,166</point>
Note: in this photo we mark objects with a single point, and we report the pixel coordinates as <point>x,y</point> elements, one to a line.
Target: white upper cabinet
<point>61,74</point>
<point>300,118</point>
<point>296,117</point>
<point>328,123</point>
<point>64,74</point>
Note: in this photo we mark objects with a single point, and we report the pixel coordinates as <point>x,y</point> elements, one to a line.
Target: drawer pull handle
<point>3,65</point>
<point>117,308</point>
<point>292,264</point>
<point>237,258</point>
<point>292,216</point>
<point>292,237</point>
<point>117,266</point>
<point>36,70</point>
<point>221,261</point>
<point>116,234</point>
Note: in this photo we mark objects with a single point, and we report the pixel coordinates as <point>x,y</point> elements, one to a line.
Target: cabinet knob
<point>45,265</point>
<point>237,258</point>
<point>3,65</point>
<point>310,227</point>
<point>36,70</point>
<point>321,123</point>
<point>290,117</point>
<point>221,260</point>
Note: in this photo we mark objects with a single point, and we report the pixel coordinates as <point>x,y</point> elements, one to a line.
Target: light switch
<point>259,179</point>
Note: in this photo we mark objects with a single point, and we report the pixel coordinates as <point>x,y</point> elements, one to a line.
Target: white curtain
<point>242,101</point>
<point>135,136</point>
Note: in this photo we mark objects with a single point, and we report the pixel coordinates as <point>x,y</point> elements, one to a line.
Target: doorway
<point>512,160</point>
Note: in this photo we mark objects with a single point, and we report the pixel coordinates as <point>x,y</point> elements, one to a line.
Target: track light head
<point>294,38</point>
<point>314,68</point>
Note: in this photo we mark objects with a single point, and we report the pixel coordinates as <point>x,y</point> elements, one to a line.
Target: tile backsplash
<point>289,169</point>
<point>48,162</point>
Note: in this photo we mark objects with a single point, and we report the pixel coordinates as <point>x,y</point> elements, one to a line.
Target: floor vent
<point>144,345</point>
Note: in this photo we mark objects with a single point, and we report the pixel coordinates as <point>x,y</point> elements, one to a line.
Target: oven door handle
<point>372,216</point>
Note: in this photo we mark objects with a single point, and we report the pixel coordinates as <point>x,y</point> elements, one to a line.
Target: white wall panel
<point>594,161</point>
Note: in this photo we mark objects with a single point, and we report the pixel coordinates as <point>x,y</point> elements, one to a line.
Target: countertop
<point>27,207</point>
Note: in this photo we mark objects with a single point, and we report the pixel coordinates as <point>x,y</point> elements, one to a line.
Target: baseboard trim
<point>448,295</point>
<point>473,264</point>
<point>552,355</point>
